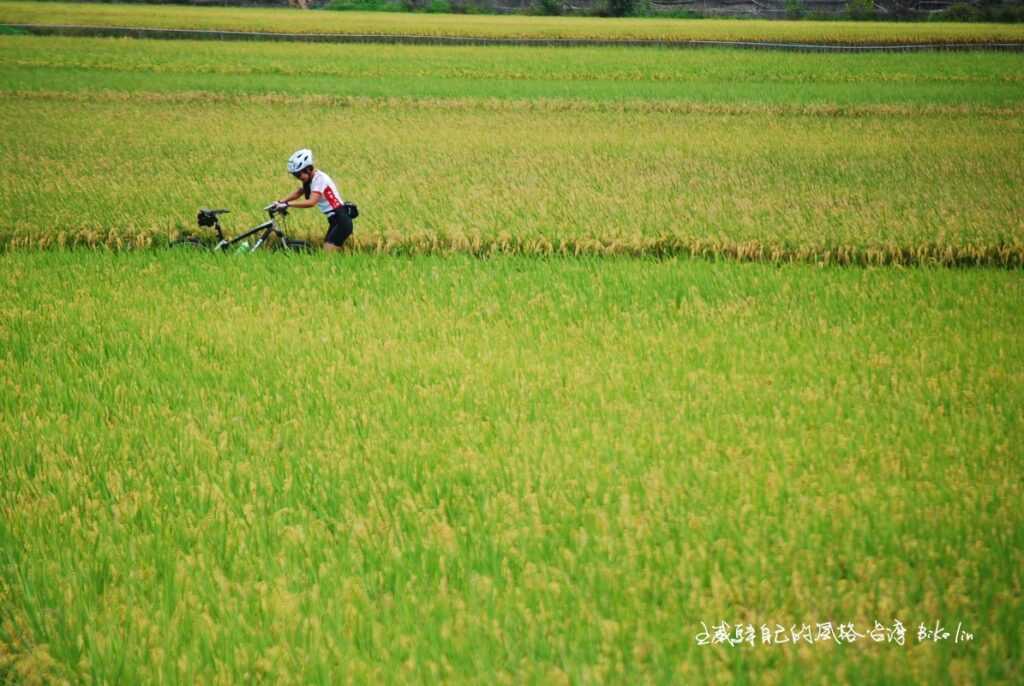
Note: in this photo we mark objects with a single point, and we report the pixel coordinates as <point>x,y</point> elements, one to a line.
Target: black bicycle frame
<point>268,227</point>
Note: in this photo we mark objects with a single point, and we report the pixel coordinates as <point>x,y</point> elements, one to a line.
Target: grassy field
<point>972,81</point>
<point>489,26</point>
<point>900,158</point>
<point>225,469</point>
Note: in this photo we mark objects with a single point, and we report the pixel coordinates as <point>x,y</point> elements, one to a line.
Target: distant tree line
<point>870,10</point>
<point>1001,11</point>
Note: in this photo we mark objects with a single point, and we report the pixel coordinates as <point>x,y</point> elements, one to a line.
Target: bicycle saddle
<point>207,217</point>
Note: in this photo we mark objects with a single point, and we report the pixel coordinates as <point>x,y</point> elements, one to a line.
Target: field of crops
<point>489,26</point>
<point>972,82</point>
<point>518,434</point>
<point>504,470</point>
<point>846,158</point>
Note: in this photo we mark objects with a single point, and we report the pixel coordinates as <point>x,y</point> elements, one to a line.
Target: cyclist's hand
<point>279,205</point>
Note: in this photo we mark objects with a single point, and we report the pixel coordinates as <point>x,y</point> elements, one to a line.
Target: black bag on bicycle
<point>352,210</point>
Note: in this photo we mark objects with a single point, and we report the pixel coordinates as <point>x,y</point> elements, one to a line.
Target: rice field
<point>382,469</point>
<point>972,81</point>
<point>898,159</point>
<point>489,26</point>
<point>517,434</point>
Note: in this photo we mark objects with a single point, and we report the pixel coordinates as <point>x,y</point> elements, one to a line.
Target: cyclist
<point>318,189</point>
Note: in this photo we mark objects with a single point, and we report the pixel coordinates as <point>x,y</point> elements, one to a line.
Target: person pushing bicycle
<point>318,189</point>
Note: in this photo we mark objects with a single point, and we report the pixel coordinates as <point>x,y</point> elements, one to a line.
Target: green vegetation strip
<point>263,467</point>
<point>668,80</point>
<point>503,27</point>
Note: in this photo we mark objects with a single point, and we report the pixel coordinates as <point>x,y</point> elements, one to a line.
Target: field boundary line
<point>542,105</point>
<point>417,243</point>
<point>76,30</point>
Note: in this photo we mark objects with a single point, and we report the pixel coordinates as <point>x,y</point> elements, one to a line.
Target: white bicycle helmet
<point>299,160</point>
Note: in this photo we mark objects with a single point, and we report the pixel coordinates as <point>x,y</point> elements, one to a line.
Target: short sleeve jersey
<point>330,200</point>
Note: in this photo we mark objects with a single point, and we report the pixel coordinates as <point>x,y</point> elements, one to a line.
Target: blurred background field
<point>724,76</point>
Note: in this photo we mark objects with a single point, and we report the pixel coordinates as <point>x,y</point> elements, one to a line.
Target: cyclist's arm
<point>314,198</point>
<point>292,196</point>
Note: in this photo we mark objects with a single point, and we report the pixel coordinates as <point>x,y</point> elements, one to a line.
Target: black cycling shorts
<point>339,227</point>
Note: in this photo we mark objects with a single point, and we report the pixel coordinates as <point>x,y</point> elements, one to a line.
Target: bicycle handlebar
<point>273,209</point>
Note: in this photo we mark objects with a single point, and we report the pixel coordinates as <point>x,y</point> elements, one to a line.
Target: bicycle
<point>209,218</point>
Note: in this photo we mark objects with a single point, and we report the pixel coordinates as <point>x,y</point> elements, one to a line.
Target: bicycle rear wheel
<point>188,243</point>
<point>295,245</point>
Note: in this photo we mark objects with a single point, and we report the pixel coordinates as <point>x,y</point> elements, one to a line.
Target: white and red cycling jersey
<point>330,199</point>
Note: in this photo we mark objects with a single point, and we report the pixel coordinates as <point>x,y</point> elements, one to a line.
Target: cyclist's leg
<point>338,230</point>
